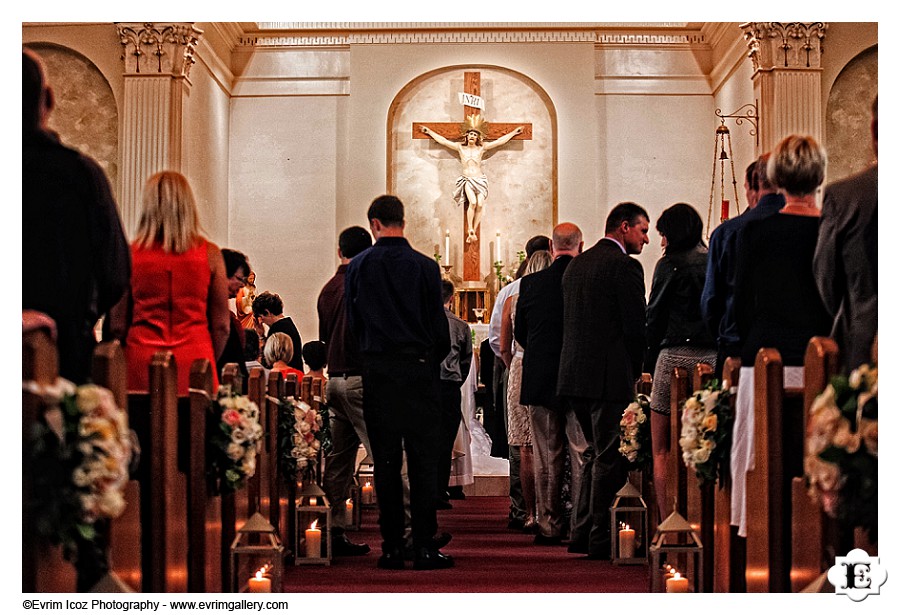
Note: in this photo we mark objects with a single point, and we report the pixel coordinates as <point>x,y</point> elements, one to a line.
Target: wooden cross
<point>451,130</point>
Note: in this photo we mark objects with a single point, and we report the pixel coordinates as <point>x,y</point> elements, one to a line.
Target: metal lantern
<point>628,521</point>
<point>313,526</point>
<point>365,478</point>
<point>257,558</point>
<point>679,544</point>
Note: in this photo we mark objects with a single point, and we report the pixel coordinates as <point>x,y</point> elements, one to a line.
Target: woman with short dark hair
<point>676,334</point>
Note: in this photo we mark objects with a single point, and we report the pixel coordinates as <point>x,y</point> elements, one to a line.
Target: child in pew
<point>315,355</point>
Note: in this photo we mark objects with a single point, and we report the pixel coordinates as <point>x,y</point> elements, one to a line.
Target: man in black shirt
<point>268,308</point>
<point>395,311</point>
<point>237,268</point>
<point>75,259</point>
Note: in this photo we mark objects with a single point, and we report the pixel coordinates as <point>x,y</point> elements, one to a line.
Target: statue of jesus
<point>472,186</point>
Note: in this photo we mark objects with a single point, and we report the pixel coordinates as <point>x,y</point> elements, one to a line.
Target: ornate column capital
<point>158,48</point>
<point>793,44</point>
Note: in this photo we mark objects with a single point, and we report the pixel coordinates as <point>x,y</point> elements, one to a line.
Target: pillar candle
<point>260,584</point>
<point>724,210</point>
<point>349,504</point>
<point>626,542</point>
<point>367,493</point>
<point>677,584</point>
<point>313,541</point>
<point>447,248</point>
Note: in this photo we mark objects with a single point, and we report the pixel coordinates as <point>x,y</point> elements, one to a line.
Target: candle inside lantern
<point>724,209</point>
<point>497,246</point>
<point>368,493</point>
<point>349,504</point>
<point>260,584</point>
<point>626,542</point>
<point>314,540</point>
<point>447,248</point>
<point>677,584</point>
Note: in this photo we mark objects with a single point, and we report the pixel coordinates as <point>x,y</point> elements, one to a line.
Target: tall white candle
<point>447,248</point>
<point>313,541</point>
<point>626,542</point>
<point>497,245</point>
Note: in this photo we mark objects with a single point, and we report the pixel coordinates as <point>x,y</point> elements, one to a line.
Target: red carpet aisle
<point>489,559</point>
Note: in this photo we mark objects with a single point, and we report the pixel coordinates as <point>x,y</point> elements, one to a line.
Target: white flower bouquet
<point>235,436</point>
<point>81,450</point>
<point>634,433</point>
<point>706,422</point>
<point>303,434</point>
<point>841,461</point>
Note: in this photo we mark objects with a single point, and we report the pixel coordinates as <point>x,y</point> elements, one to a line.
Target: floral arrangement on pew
<point>634,433</point>
<point>706,422</point>
<point>234,439</point>
<point>841,462</point>
<point>81,452</point>
<point>302,433</point>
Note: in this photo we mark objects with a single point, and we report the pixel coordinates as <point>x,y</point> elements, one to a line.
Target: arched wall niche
<point>85,114</point>
<point>848,116</point>
<point>522,175</point>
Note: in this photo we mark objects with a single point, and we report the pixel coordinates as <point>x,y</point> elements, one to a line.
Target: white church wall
<point>205,154</point>
<point>283,191</point>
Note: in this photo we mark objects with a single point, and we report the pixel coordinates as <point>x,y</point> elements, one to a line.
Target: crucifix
<point>471,187</point>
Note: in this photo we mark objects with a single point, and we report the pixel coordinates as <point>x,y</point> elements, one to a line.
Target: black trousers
<point>451,415</point>
<point>401,407</point>
<point>606,471</point>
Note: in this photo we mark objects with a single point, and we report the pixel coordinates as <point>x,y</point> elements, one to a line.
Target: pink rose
<point>231,417</point>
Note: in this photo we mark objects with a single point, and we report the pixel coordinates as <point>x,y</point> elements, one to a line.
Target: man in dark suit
<point>539,330</point>
<point>846,259</point>
<point>604,309</point>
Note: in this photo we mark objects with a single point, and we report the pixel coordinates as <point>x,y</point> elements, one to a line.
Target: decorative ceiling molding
<point>340,34</point>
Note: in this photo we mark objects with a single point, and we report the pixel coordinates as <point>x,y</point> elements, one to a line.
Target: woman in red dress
<point>179,292</point>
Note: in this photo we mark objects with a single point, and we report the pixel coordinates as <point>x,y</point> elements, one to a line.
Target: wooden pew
<point>703,373</point>
<point>685,486</point>
<point>727,550</point>
<point>288,488</point>
<point>267,464</point>
<point>204,508</point>
<point>256,391</point>
<point>110,371</point>
<point>780,418</point>
<point>813,534</point>
<point>44,569</point>
<point>163,483</point>
<point>235,506</point>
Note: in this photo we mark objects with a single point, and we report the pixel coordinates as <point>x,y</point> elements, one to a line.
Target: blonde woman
<point>178,300</point>
<point>278,352</point>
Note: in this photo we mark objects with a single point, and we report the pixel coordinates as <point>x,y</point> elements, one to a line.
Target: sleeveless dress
<point>169,293</point>
<point>518,416</point>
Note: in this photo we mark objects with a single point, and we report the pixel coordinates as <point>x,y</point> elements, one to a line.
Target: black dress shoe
<point>431,559</point>
<point>456,493</point>
<point>441,540</point>
<point>540,539</point>
<point>443,505</point>
<point>391,559</point>
<point>516,524</point>
<point>341,546</point>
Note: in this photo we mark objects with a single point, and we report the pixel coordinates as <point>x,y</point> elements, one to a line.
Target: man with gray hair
<point>539,330</point>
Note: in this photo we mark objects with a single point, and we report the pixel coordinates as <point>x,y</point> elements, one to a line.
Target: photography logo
<point>857,575</point>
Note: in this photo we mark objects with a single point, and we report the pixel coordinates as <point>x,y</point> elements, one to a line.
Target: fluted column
<point>787,68</point>
<point>157,60</point>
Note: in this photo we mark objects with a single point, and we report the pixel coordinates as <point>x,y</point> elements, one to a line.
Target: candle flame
<point>259,574</point>
<point>677,575</point>
<point>368,484</point>
<point>314,523</point>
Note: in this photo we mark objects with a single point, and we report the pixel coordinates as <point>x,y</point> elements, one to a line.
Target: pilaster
<point>157,59</point>
<point>787,69</point>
